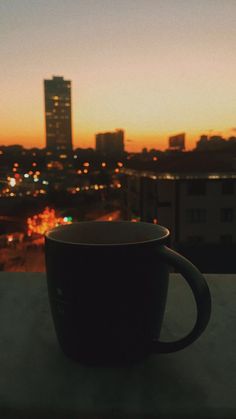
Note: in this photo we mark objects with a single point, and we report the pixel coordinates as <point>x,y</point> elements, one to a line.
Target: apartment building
<point>198,209</point>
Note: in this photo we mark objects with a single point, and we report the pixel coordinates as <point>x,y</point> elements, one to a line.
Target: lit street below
<point>28,256</point>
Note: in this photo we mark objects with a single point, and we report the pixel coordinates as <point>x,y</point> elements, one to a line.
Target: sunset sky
<point>152,67</point>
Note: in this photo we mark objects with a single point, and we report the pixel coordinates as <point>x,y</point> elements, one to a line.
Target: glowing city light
<point>42,222</point>
<point>67,219</point>
<point>12,182</point>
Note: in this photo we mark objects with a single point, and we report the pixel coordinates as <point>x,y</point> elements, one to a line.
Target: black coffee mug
<point>107,285</point>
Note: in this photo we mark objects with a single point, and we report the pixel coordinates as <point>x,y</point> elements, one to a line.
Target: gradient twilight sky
<point>151,67</point>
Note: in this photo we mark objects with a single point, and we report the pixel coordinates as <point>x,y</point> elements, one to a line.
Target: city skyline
<point>152,68</point>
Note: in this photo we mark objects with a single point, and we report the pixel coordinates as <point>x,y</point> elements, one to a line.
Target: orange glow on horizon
<point>137,143</point>
<point>154,70</point>
<point>133,142</point>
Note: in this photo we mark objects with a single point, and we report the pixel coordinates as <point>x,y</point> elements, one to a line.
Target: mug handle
<point>201,293</point>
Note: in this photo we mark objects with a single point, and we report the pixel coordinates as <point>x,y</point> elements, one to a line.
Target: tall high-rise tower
<point>58,114</point>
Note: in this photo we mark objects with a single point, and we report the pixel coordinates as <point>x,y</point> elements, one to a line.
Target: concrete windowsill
<point>37,380</point>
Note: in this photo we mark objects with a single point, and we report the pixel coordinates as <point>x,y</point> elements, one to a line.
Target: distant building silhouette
<point>177,142</point>
<point>110,143</point>
<point>58,114</point>
<point>215,142</point>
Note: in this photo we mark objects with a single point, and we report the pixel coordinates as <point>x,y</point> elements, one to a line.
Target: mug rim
<point>161,229</point>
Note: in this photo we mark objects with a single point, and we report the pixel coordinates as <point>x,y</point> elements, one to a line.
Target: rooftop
<point>178,176</point>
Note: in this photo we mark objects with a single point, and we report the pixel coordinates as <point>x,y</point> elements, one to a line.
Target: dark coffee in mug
<point>107,285</point>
